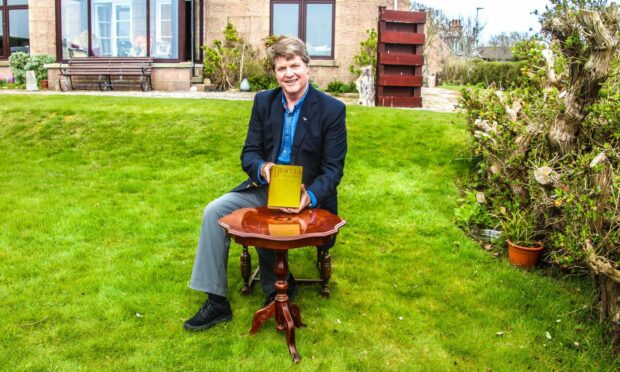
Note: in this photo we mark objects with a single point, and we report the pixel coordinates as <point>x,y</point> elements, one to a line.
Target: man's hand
<point>265,171</point>
<point>303,202</point>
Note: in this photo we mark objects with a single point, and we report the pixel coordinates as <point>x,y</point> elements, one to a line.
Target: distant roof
<point>495,53</point>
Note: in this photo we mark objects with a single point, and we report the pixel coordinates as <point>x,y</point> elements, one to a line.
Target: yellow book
<point>284,229</point>
<point>285,186</point>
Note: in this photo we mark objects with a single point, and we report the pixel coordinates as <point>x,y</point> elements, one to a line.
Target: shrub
<point>367,54</point>
<point>471,213</point>
<point>222,61</point>
<point>36,64</point>
<point>18,61</point>
<point>340,87</point>
<point>21,62</point>
<point>477,72</point>
<point>258,77</point>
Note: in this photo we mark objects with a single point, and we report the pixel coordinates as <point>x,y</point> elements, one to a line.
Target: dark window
<point>1,34</point>
<point>14,33</point>
<point>310,20</point>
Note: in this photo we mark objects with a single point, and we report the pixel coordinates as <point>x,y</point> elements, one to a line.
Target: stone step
<point>197,79</point>
<point>203,87</point>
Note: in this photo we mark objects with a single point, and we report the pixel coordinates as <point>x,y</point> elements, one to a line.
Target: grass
<point>99,218</point>
<point>455,87</point>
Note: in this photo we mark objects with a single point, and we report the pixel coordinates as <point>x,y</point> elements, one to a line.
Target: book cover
<point>284,229</point>
<point>285,186</point>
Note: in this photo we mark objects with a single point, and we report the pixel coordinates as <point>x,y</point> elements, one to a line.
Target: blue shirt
<point>289,124</point>
<point>288,129</point>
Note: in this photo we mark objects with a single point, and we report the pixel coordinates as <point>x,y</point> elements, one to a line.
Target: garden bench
<point>105,69</point>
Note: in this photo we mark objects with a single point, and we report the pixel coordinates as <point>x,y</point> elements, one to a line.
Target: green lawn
<point>100,207</point>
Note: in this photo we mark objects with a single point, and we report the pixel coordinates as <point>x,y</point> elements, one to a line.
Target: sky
<point>497,16</point>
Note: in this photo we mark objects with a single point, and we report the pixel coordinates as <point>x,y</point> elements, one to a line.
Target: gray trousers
<point>211,262</point>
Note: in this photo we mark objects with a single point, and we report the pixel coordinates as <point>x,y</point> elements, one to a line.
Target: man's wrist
<point>313,201</point>
<point>260,178</point>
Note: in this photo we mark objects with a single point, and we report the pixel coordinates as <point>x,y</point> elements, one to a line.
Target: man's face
<point>292,75</point>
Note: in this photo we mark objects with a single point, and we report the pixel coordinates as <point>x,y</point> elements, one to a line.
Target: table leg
<point>326,273</point>
<point>246,270</point>
<point>290,332</point>
<point>261,317</point>
<point>296,313</point>
<point>286,318</point>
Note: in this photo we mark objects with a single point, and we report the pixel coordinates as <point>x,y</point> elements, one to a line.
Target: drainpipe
<point>192,39</point>
<point>395,4</point>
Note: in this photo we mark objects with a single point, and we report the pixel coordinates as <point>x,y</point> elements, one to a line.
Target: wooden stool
<point>272,229</point>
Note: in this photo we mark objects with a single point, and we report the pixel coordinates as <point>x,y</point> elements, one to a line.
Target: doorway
<point>194,9</point>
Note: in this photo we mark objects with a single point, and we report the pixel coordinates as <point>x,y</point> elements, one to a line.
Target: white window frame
<point>113,25</point>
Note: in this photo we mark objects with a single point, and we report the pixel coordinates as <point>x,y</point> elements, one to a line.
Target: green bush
<point>340,87</point>
<point>501,74</point>
<point>258,76</point>
<point>36,64</point>
<point>21,62</point>
<point>222,61</point>
<point>478,72</point>
<point>367,54</point>
<point>18,61</point>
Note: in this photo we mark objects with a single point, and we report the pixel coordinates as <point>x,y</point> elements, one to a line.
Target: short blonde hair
<point>288,47</point>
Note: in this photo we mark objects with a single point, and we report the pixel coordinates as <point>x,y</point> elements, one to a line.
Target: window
<point>14,32</point>
<point>74,28</point>
<point>118,28</point>
<point>309,20</point>
<point>164,26</point>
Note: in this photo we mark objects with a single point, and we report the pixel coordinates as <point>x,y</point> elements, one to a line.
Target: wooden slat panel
<point>402,38</point>
<point>405,17</point>
<point>400,81</point>
<point>401,59</point>
<point>391,101</point>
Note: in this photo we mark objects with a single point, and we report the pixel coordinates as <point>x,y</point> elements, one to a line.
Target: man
<point>293,124</point>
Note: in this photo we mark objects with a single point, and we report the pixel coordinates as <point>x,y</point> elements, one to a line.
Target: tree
<point>460,34</point>
<point>589,40</point>
<point>506,39</point>
<point>552,148</point>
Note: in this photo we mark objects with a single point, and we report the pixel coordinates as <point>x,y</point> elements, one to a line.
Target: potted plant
<point>519,230</point>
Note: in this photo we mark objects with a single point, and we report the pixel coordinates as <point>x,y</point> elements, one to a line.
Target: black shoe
<point>209,315</point>
<point>291,291</point>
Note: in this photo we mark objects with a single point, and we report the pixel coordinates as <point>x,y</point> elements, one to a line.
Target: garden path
<point>434,99</point>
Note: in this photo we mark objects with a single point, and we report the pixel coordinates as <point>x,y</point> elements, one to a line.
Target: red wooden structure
<point>400,58</point>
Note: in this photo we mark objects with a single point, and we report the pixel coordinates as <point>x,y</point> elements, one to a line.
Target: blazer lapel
<point>305,118</point>
<point>277,121</point>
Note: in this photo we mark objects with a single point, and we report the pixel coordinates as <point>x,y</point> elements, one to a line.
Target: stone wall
<point>42,27</point>
<point>251,19</point>
<point>5,69</point>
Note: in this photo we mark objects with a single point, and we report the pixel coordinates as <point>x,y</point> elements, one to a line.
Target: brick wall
<point>251,19</point>
<point>42,27</point>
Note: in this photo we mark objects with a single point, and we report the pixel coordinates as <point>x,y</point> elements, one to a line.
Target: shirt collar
<point>298,105</point>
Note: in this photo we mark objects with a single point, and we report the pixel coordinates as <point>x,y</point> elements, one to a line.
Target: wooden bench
<point>105,69</point>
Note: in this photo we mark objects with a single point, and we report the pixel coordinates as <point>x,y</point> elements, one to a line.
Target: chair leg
<point>246,270</point>
<point>325,264</point>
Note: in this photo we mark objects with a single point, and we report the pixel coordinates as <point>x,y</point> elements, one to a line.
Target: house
<point>496,53</point>
<point>172,31</point>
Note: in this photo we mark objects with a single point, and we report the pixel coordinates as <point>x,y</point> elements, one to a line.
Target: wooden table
<point>272,229</point>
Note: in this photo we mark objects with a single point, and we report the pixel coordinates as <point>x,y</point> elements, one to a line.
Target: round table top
<point>272,225</point>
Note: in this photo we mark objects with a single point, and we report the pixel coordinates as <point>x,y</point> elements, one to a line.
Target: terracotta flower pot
<point>525,257</point>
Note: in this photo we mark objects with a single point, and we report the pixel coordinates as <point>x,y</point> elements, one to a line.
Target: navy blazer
<point>319,145</point>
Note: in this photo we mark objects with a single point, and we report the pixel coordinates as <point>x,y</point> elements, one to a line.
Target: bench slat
<point>107,67</point>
